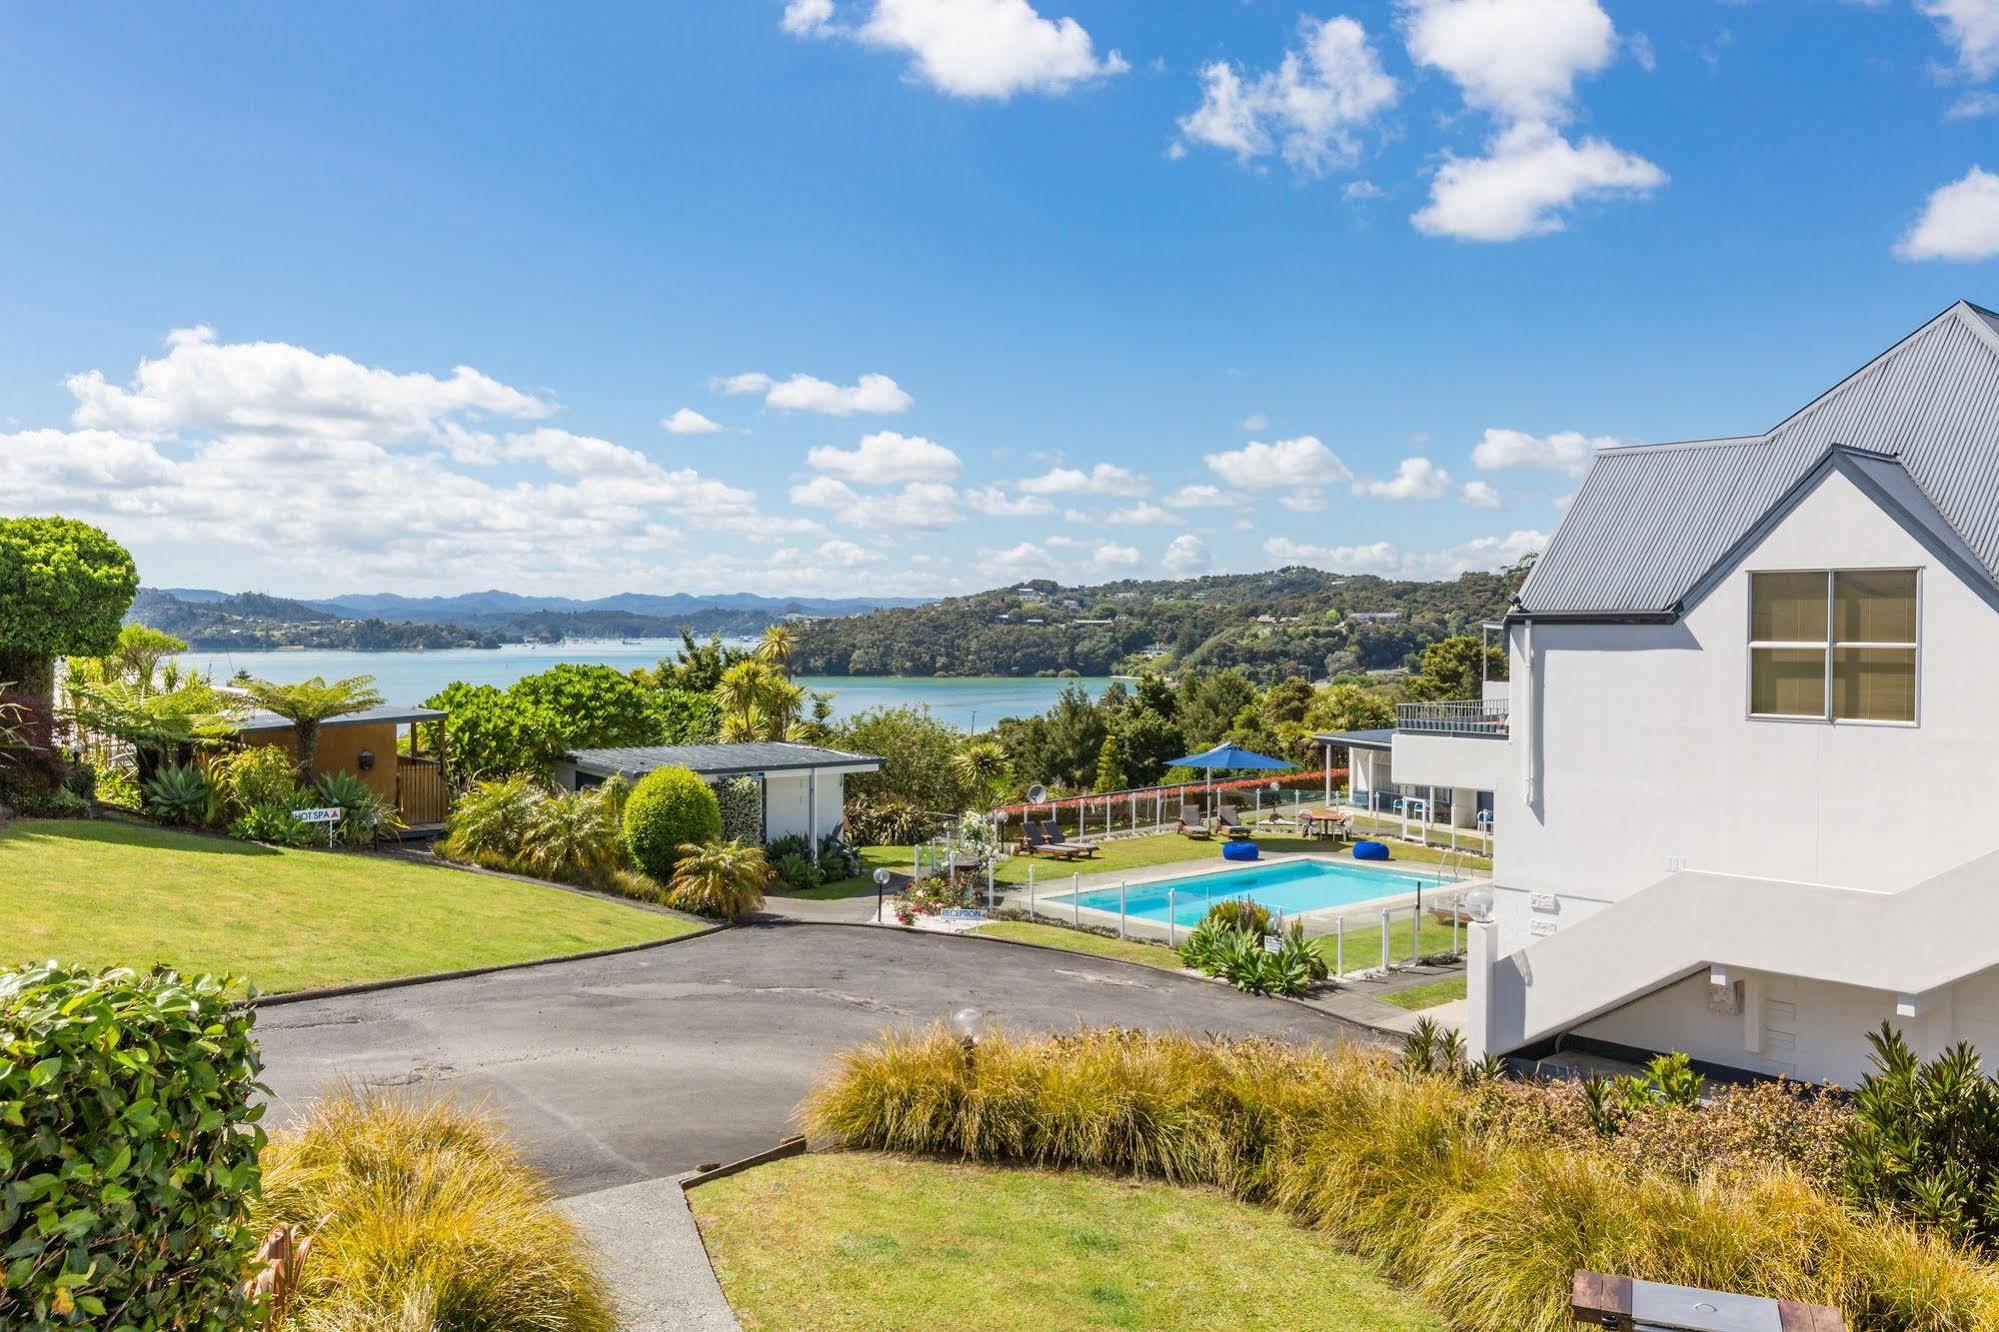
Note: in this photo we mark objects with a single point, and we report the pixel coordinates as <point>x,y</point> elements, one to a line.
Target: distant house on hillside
<point>1375,617</point>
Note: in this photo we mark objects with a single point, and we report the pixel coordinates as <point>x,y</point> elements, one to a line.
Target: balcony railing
<point>1476,717</point>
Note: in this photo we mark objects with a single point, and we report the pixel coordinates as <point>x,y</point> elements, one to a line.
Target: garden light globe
<point>966,1023</point>
<point>882,877</point>
<point>1478,904</point>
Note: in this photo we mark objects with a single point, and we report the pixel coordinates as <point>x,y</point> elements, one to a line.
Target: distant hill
<point>384,622</point>
<point>1295,621</point>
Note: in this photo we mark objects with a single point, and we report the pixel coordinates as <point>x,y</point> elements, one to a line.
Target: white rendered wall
<point>1479,763</point>
<point>787,802</point>
<point>1647,760</point>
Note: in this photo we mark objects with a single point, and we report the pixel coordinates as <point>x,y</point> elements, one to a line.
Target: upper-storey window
<point>1835,645</point>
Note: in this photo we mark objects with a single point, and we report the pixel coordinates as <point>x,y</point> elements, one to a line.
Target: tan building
<point>369,745</point>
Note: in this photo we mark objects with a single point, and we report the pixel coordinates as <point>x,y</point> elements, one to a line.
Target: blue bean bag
<point>1370,851</point>
<point>1238,850</point>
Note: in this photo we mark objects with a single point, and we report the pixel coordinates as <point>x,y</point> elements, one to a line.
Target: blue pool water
<point>1288,886</point>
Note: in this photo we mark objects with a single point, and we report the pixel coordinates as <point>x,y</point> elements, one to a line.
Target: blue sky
<point>399,297</point>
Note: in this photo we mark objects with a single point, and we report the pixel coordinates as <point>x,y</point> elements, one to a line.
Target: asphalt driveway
<point>645,1064</point>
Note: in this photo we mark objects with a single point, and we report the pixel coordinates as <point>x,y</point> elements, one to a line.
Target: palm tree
<point>310,702</point>
<point>982,767</point>
<point>723,880</point>
<point>778,642</point>
<point>758,702</point>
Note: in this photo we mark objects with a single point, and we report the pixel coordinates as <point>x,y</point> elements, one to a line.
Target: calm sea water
<point>408,678</point>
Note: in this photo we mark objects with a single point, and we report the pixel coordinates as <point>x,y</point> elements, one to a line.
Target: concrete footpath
<point>652,1253</point>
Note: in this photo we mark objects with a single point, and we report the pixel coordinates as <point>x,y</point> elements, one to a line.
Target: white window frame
<point>1830,647</point>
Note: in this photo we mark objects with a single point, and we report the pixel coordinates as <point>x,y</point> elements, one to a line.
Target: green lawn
<point>110,893</point>
<point>1077,941</point>
<point>1363,946</point>
<point>849,1240</point>
<point>1419,997</point>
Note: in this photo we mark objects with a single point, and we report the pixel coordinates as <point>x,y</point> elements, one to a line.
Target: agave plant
<point>725,880</point>
<point>177,794</point>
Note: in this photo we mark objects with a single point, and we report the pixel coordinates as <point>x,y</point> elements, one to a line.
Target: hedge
<point>742,803</point>
<point>129,1145</point>
<point>668,809</point>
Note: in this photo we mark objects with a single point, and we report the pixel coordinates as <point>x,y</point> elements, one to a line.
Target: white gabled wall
<point>1647,760</point>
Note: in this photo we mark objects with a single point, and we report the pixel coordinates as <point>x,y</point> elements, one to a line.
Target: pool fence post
<point>1076,897</point>
<point>1457,911</point>
<point>1172,922</point>
<point>1385,958</point>
<point>1030,890</point>
<point>1416,932</point>
<point>1339,947</point>
<point>1122,885</point>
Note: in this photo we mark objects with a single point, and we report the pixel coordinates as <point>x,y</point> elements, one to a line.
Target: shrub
<point>425,1218</point>
<point>669,809</point>
<point>364,816</point>
<point>81,779</point>
<point>271,823</point>
<point>723,881</point>
<point>1239,913</point>
<point>839,859</point>
<point>520,826</point>
<point>1240,958</point>
<point>887,821</point>
<point>177,794</point>
<point>1482,1216</point>
<point>117,786</point>
<point>741,800</point>
<point>128,1147</point>
<point>249,777</point>
<point>1924,1142</point>
<point>797,873</point>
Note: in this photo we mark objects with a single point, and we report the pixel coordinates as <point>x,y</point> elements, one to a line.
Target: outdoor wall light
<point>1477,904</point>
<point>366,761</point>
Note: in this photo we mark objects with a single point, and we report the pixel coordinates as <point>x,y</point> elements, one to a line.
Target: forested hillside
<point>1290,622</point>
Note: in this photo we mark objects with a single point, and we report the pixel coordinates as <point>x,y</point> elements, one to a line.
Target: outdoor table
<point>1323,822</point>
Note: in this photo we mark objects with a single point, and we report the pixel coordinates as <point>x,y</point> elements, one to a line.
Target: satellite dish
<point>1036,794</point>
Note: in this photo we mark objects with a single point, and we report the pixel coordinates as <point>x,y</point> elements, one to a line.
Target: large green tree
<point>64,589</point>
<point>1451,669</point>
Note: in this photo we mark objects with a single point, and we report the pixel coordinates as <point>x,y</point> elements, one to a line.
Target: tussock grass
<point>436,1224</point>
<point>1484,1211</point>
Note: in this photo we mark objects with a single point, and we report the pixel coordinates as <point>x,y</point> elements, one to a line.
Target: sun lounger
<point>1192,823</point>
<point>1232,824</point>
<point>1036,840</point>
<point>1052,832</point>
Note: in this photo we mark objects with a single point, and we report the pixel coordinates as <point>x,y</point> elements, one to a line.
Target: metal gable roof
<point>718,759</point>
<point>1650,522</point>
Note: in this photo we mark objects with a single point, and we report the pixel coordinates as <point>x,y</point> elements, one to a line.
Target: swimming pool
<point>1289,886</point>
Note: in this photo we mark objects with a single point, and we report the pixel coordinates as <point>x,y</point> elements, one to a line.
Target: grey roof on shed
<point>1651,523</point>
<point>718,760</point>
<point>260,722</point>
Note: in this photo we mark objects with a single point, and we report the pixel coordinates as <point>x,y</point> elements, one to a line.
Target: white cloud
<point>846,555</point>
<point>1025,560</point>
<point>1138,515</point>
<point>922,506</point>
<point>1307,110</point>
<point>1973,105</point>
<point>1568,451</point>
<point>1186,555</point>
<point>1972,26</point>
<point>687,421</point>
<point>1960,221</point>
<point>994,502</point>
<point>1204,496</point>
<point>1103,479</point>
<point>1360,191</point>
<point>886,458</point>
<point>1255,422</point>
<point>1113,558</point>
<point>1525,184</point>
<point>1304,461</point>
<point>277,388</point>
<point>1518,59</point>
<point>1416,478</point>
<point>874,394</point>
<point>974,48</point>
<point>1480,495</point>
<point>824,492</point>
<point>1383,557</point>
<point>401,491</point>
<point>808,18</point>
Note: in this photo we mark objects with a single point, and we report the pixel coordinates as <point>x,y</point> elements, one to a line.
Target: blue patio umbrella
<point>1229,758</point>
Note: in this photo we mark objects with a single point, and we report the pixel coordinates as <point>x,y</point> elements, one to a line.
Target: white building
<point>804,786</point>
<point>1740,802</point>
